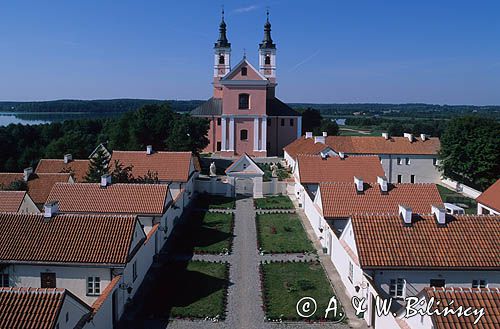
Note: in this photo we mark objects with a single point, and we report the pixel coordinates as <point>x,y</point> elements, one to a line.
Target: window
<point>438,283</point>
<point>244,101</point>
<point>400,179</point>
<point>219,121</point>
<point>134,271</point>
<point>479,284</point>
<point>243,135</point>
<point>400,161</point>
<point>93,286</point>
<point>268,122</point>
<point>67,316</point>
<point>47,280</point>
<point>244,71</point>
<point>221,59</point>
<point>397,288</point>
<point>267,60</point>
<point>4,280</point>
<point>412,179</point>
<point>407,161</point>
<point>282,122</point>
<point>219,146</point>
<point>291,122</point>
<point>434,161</point>
<point>351,272</point>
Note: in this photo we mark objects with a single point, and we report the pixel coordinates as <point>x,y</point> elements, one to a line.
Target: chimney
<point>382,182</point>
<point>385,135</point>
<point>409,136</point>
<point>309,134</point>
<point>405,212</point>
<point>27,173</point>
<point>149,149</point>
<point>342,155</point>
<point>439,213</point>
<point>325,134</point>
<point>319,139</point>
<point>105,180</point>
<point>68,158</point>
<point>423,137</point>
<point>51,209</point>
<point>358,181</point>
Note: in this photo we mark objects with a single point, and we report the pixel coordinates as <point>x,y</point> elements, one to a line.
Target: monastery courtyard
<point>213,270</point>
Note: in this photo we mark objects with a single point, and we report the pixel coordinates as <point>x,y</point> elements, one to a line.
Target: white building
<point>394,256</point>
<point>407,159</point>
<point>101,259</point>
<point>489,201</point>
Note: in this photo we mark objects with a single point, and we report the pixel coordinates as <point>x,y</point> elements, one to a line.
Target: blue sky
<point>445,52</point>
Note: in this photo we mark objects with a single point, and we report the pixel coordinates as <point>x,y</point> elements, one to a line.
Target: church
<point>245,115</point>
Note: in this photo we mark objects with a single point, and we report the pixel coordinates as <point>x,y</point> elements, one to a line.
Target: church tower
<point>267,55</point>
<point>222,53</point>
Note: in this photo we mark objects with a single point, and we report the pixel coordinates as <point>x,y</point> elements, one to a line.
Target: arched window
<point>221,59</point>
<point>244,71</point>
<point>244,101</point>
<point>268,60</point>
<point>243,135</point>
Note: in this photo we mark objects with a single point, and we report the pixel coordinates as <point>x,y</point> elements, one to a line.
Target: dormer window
<point>221,59</point>
<point>267,61</point>
<point>244,101</point>
<point>244,71</point>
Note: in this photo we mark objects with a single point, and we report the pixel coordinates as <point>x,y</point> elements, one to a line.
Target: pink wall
<point>240,146</point>
<point>251,74</point>
<point>230,100</point>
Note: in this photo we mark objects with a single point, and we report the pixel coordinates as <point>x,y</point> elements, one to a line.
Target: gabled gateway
<point>244,114</point>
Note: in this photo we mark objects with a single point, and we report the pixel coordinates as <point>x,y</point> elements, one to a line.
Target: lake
<point>36,118</point>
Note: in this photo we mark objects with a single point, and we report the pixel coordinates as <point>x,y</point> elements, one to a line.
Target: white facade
<point>422,167</point>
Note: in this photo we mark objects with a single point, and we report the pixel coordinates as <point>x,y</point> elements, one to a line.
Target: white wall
<point>75,312</point>
<point>461,188</point>
<point>482,209</point>
<point>28,206</point>
<point>420,165</point>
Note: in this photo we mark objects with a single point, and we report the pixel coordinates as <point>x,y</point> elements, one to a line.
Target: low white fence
<point>460,188</point>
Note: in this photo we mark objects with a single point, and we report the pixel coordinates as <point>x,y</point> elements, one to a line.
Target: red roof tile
<point>487,298</point>
<point>10,201</point>
<point>79,168</point>
<point>315,169</point>
<point>466,241</point>
<point>365,145</point>
<point>170,166</point>
<point>114,199</point>
<point>491,197</point>
<point>341,200</point>
<point>31,308</point>
<point>39,185</point>
<point>89,239</point>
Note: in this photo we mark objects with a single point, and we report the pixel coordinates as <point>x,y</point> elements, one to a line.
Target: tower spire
<point>222,42</point>
<point>267,42</point>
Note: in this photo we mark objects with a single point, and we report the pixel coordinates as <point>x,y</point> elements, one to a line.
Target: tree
<point>17,185</point>
<point>122,174</point>
<point>470,151</point>
<point>188,134</point>
<point>98,166</point>
<point>330,127</point>
<point>149,178</point>
<point>311,120</point>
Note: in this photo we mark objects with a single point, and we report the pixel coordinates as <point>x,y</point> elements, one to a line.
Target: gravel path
<point>289,257</point>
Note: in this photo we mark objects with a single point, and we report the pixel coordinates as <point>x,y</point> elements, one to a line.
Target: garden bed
<point>274,202</point>
<point>207,201</point>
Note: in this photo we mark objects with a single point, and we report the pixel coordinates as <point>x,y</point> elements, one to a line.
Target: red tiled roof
<point>466,241</point>
<point>365,145</point>
<point>170,166</point>
<point>31,308</point>
<point>341,200</point>
<point>10,201</point>
<point>114,199</point>
<point>79,168</point>
<point>475,298</point>
<point>39,185</point>
<point>88,239</point>
<point>315,169</point>
<point>491,197</point>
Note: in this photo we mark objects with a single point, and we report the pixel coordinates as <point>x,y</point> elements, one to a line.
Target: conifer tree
<point>98,166</point>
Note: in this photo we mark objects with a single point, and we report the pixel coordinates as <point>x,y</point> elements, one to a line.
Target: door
<point>47,280</point>
<point>372,311</point>
<point>244,186</point>
<point>330,243</point>
<point>114,305</point>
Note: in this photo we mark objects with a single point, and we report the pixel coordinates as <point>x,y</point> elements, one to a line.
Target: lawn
<point>215,202</point>
<point>286,283</point>
<point>282,233</point>
<point>274,202</point>
<point>206,232</point>
<point>450,196</point>
<point>197,290</point>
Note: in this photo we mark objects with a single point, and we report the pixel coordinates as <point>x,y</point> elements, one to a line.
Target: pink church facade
<point>244,114</point>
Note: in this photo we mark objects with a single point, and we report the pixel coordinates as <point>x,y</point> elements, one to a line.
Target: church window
<point>218,121</point>
<point>244,71</point>
<point>244,101</point>
<point>219,146</point>
<point>291,122</point>
<point>243,134</point>
<point>221,59</point>
<point>282,122</point>
<point>269,122</point>
<point>268,60</point>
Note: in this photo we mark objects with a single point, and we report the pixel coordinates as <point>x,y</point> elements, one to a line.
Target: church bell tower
<point>222,52</point>
<point>267,54</point>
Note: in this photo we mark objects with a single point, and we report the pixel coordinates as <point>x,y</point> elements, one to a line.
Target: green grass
<point>282,233</point>
<point>286,283</point>
<point>215,202</point>
<point>274,202</point>
<point>206,232</point>
<point>450,196</point>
